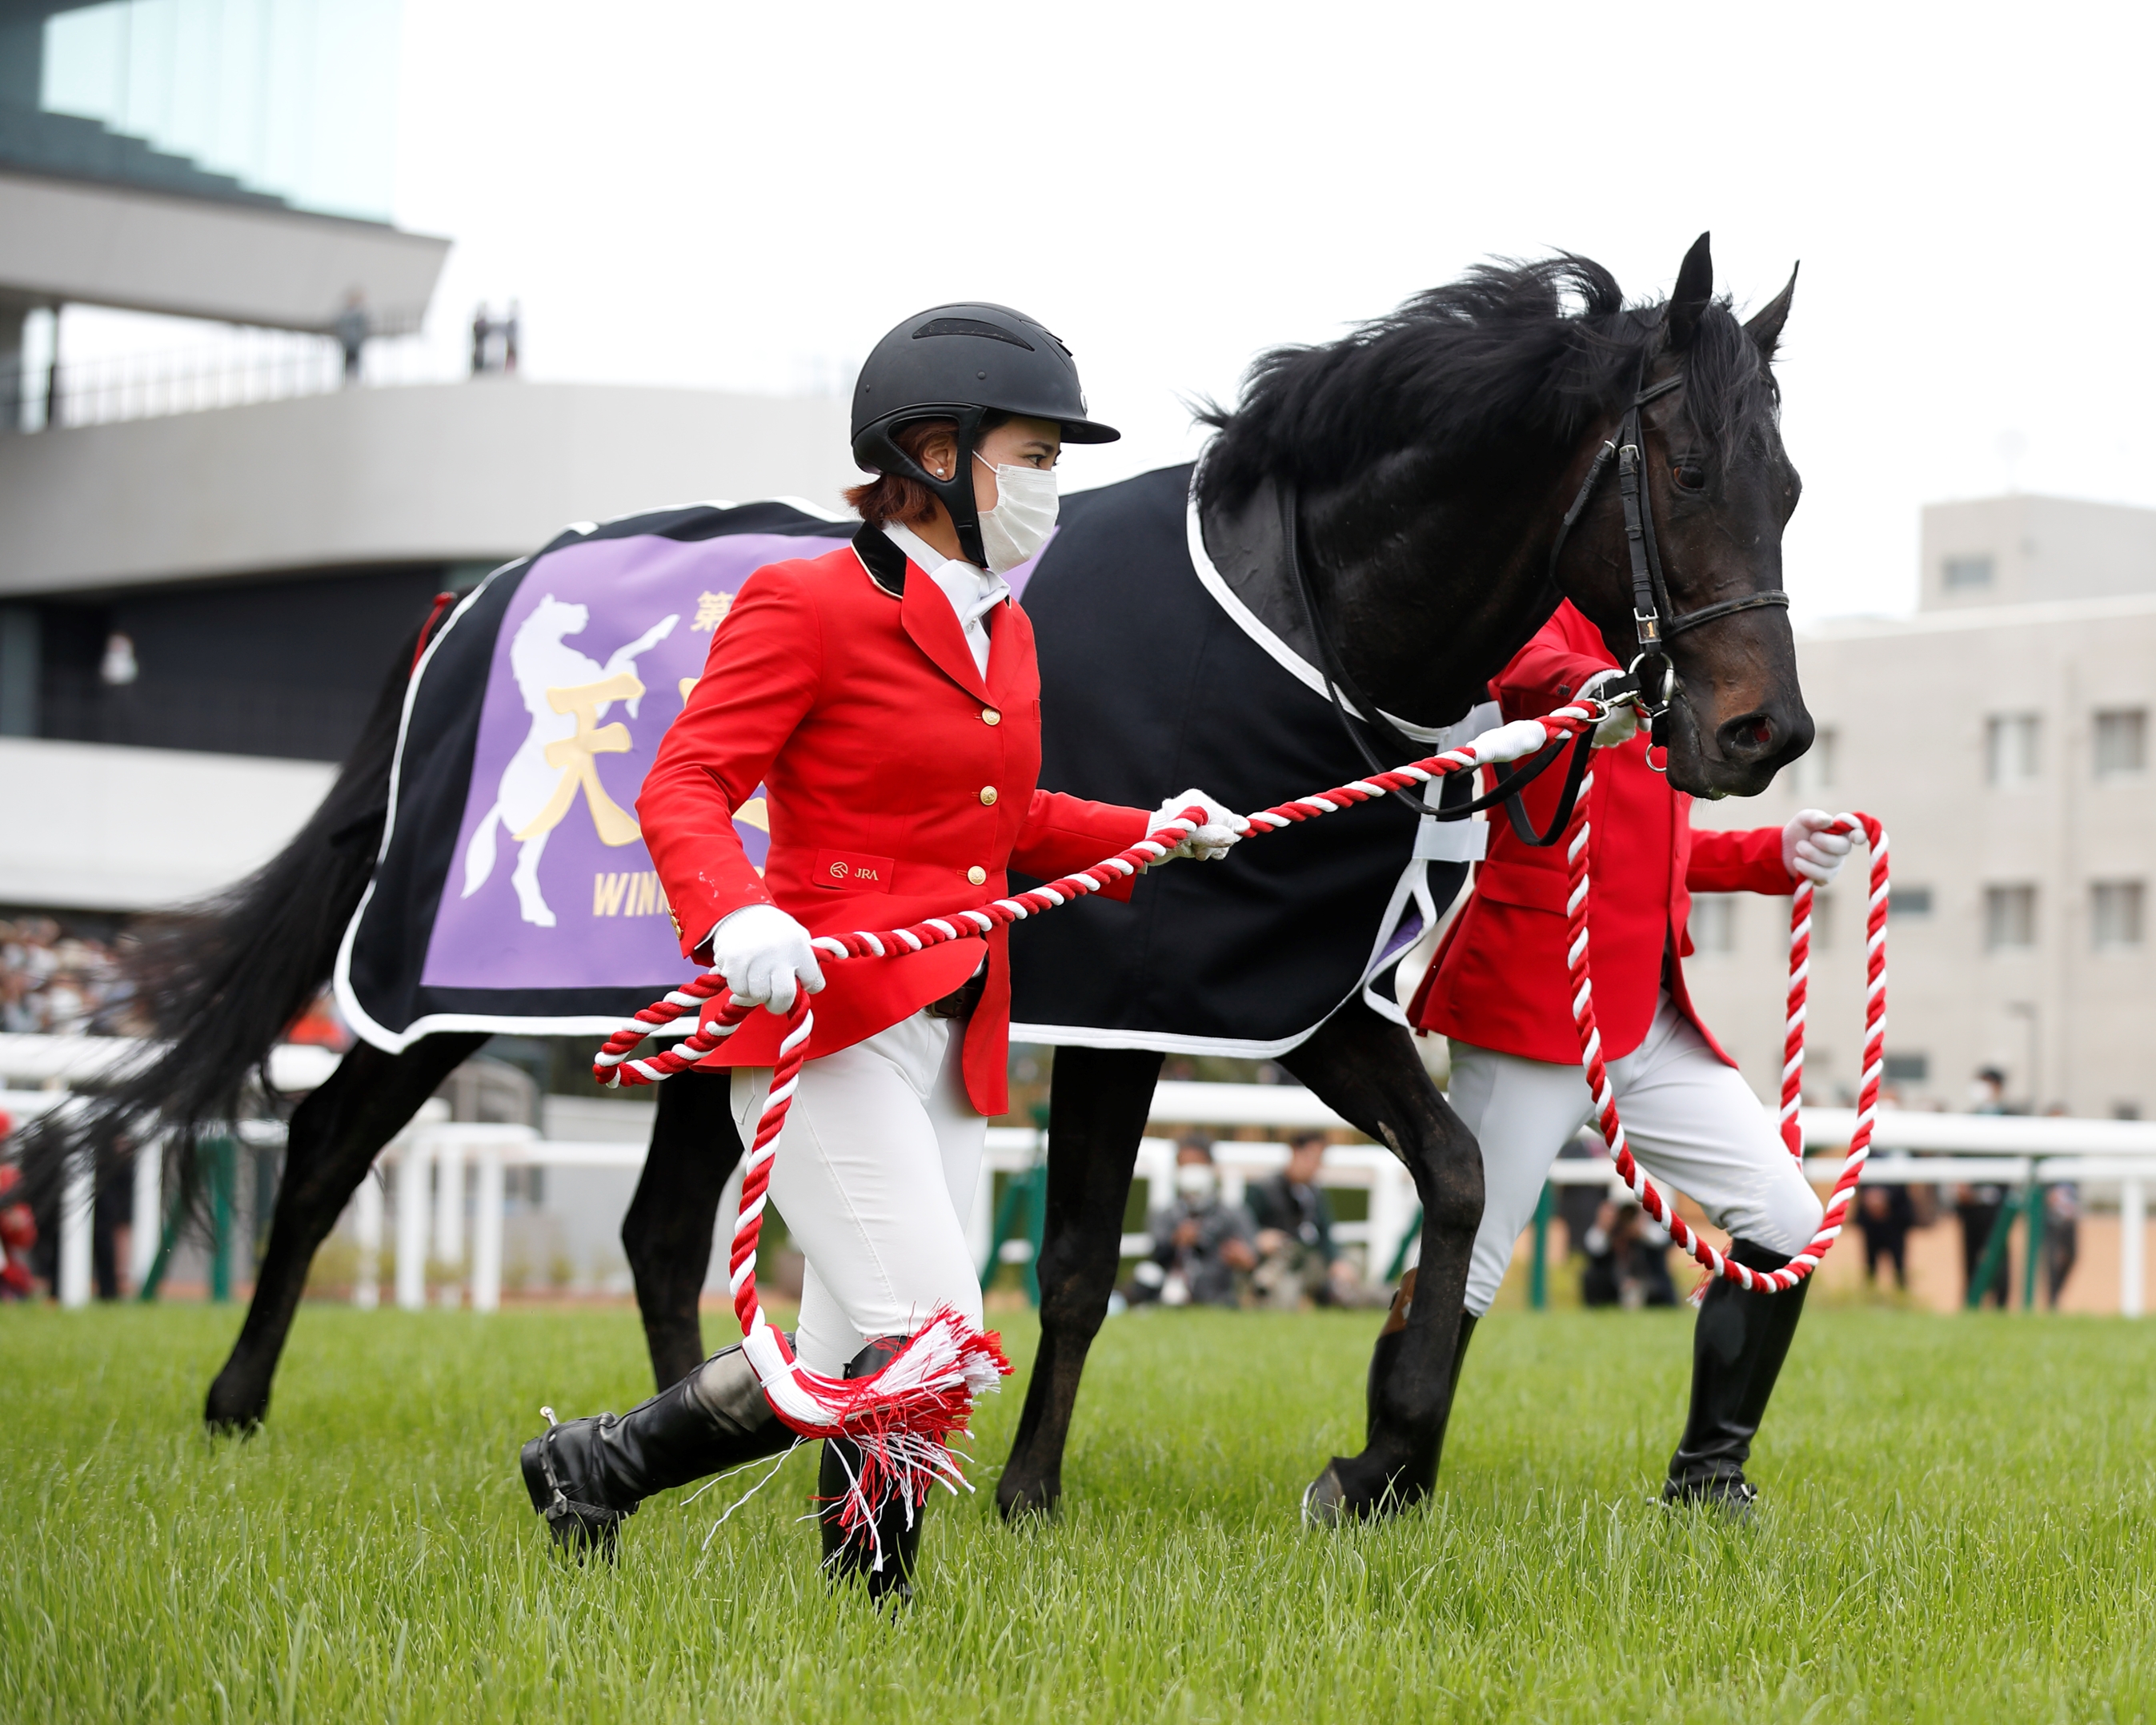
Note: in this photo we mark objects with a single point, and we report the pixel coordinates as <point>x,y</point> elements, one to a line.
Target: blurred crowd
<point>1274,1249</point>
<point>61,985</point>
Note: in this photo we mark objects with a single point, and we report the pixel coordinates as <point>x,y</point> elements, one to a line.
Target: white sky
<point>746,197</point>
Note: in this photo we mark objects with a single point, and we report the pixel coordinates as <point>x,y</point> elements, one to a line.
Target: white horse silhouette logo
<point>567,693</point>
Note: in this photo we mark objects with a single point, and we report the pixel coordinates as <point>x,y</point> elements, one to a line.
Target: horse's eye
<point>1688,474</point>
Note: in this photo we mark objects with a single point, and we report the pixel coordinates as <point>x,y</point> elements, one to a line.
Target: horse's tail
<point>221,980</point>
<point>479,854</point>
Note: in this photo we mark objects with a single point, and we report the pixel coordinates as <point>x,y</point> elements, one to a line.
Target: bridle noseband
<point>1655,619</point>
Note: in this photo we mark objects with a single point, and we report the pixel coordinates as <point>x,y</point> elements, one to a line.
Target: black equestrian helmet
<point>964,362</point>
<point>960,361</point>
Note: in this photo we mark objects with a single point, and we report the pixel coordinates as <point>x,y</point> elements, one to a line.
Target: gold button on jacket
<point>977,875</point>
<point>987,794</point>
<point>989,715</point>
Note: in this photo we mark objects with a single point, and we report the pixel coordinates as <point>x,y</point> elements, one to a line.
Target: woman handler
<point>1497,990</point>
<point>888,697</point>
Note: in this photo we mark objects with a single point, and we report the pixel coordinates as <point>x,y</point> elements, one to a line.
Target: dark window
<point>2010,917</point>
<point>1908,1068</point>
<point>1909,902</point>
<point>2121,742</point>
<point>2115,908</point>
<point>1967,574</point>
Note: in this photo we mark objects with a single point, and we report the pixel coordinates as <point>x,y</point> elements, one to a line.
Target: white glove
<point>762,952</point>
<point>1209,842</point>
<point>1623,724</point>
<point>1808,849</point>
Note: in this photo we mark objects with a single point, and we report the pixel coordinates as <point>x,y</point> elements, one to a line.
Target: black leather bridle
<point>1655,618</point>
<point>1650,676</point>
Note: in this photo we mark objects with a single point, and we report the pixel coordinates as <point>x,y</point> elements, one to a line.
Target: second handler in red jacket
<point>887,697</point>
<point>1497,988</point>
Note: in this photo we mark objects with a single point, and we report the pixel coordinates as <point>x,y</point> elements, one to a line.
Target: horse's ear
<point>1695,288</point>
<point>1765,326</point>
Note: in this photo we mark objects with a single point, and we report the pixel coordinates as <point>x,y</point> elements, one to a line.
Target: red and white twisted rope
<point>903,1417</point>
<point>1578,842</point>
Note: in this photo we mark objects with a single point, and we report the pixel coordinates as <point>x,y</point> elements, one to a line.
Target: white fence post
<point>149,1225</point>
<point>78,1199</point>
<point>1392,1202</point>
<point>486,1232</point>
<point>449,1214</point>
<point>2132,1233</point>
<point>367,1227</point>
<point>412,1164</point>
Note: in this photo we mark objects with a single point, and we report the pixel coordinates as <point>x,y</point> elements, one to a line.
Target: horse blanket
<point>513,893</point>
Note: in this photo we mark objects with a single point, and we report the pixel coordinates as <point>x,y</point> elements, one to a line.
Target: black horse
<point>1392,506</point>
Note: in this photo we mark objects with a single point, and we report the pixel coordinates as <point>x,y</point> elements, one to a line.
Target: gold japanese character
<point>576,756</point>
<point>711,608</point>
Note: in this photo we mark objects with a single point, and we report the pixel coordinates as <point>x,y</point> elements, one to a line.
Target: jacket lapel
<point>933,626</point>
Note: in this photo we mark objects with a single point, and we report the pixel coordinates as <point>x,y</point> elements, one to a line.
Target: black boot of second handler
<point>1738,1346</point>
<point>886,1562</point>
<point>587,1475</point>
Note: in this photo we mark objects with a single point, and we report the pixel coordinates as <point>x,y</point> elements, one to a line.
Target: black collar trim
<point>885,562</point>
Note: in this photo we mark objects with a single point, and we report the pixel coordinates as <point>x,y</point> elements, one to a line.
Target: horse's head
<point>1718,489</point>
<point>554,618</point>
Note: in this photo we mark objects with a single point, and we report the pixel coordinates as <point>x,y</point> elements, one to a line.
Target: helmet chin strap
<point>956,493</point>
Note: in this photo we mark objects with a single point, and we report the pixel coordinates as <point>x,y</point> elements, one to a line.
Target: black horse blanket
<point>513,893</point>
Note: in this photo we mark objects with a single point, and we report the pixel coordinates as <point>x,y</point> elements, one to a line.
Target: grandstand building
<point>211,554</point>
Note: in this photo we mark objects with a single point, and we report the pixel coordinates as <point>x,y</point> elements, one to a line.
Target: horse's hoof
<point>1325,1501</point>
<point>1021,1501</point>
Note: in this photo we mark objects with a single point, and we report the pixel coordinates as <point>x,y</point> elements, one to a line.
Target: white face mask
<point>1197,1180</point>
<point>1024,516</point>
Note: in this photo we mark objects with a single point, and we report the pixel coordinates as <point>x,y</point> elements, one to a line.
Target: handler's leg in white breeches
<point>1696,1127</point>
<point>875,1174</point>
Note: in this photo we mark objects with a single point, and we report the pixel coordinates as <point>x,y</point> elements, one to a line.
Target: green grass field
<point>1960,1528</point>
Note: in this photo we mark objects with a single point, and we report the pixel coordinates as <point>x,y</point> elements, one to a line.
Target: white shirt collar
<point>972,591</point>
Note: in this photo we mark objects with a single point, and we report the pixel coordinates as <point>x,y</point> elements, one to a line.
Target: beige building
<point>2002,734</point>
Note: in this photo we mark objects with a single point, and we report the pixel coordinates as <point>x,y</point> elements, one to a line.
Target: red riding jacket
<point>1499,979</point>
<point>899,784</point>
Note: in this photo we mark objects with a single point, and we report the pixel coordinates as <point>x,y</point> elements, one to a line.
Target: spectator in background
<point>1886,1215</point>
<point>2063,1229</point>
<point>512,333</point>
<point>351,330</point>
<point>1201,1244</point>
<point>482,333</point>
<point>1628,1262</point>
<point>1293,1217</point>
<point>1979,1207</point>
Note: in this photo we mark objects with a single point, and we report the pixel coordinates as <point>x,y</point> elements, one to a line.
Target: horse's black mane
<point>1472,369</point>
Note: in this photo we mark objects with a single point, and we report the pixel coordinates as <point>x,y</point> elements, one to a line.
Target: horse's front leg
<point>335,1136</point>
<point>667,1233</point>
<point>1366,1068</point>
<point>1097,1109</point>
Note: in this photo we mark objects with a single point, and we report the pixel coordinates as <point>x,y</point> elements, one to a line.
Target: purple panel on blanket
<point>559,758</point>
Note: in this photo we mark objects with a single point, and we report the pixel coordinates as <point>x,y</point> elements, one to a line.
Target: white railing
<point>435,1208</point>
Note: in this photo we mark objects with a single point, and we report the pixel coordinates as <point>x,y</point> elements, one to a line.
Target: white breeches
<point>874,1175</point>
<point>1693,1124</point>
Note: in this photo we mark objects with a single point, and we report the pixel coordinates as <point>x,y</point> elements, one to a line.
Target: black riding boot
<point>887,1561</point>
<point>1738,1345</point>
<point>1324,1504</point>
<point>585,1475</point>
